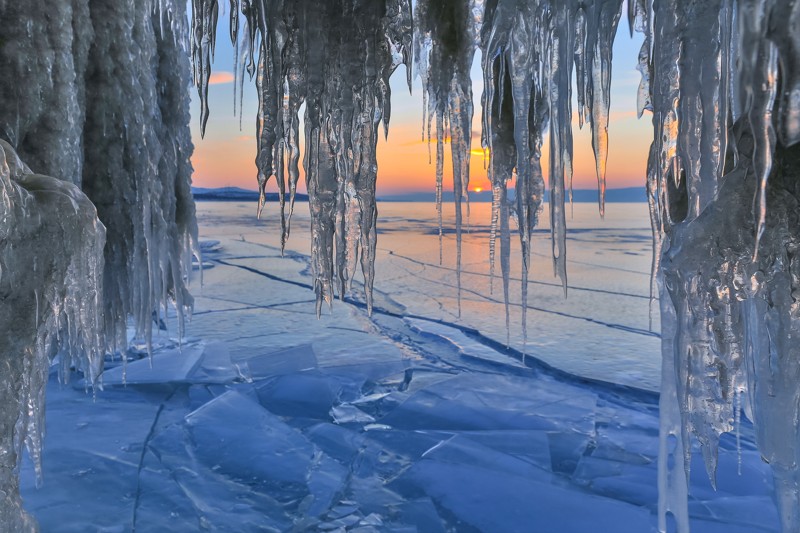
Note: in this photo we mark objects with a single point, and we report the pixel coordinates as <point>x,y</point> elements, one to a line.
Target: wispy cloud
<point>220,77</point>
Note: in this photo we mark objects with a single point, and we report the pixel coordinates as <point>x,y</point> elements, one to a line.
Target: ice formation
<point>335,58</point>
<point>129,150</point>
<point>51,264</point>
<point>723,83</point>
<point>94,92</point>
<point>724,87</point>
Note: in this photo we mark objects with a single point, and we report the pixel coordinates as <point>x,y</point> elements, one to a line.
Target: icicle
<point>599,46</point>
<point>204,19</point>
<point>447,35</point>
<point>301,45</point>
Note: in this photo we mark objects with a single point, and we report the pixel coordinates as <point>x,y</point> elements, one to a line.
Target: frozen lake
<point>600,331</point>
<point>269,419</point>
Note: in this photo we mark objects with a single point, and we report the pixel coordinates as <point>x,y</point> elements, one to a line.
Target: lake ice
<point>266,418</point>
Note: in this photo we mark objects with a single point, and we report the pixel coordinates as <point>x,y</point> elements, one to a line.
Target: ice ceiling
<point>94,92</point>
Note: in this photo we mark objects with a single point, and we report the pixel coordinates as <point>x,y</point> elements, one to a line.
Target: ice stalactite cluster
<point>529,52</point>
<point>136,153</point>
<point>335,58</point>
<point>723,82</point>
<point>445,39</point>
<point>51,263</point>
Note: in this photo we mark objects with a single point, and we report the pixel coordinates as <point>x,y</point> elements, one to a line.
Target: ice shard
<point>51,264</point>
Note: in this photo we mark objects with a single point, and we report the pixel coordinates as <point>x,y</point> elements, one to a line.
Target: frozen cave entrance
<point>376,418</point>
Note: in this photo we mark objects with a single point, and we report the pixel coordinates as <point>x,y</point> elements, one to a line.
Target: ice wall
<point>95,91</point>
<point>51,262</point>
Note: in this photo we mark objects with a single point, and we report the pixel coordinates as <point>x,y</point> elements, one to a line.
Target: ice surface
<point>270,455</point>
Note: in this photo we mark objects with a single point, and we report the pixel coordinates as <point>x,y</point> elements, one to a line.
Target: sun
<point>478,189</point>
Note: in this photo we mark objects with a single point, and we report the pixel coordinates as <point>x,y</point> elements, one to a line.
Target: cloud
<point>220,77</point>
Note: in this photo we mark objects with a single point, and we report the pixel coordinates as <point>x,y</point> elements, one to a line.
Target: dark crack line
<point>622,327</point>
<point>534,282</point>
<point>145,444</point>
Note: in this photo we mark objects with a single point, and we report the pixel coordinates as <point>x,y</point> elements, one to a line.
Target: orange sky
<point>226,155</point>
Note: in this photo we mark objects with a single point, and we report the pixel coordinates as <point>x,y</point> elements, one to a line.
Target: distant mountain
<point>236,194</point>
<point>627,194</point>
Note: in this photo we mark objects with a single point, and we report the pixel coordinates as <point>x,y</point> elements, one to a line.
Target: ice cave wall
<point>51,263</point>
<point>94,92</point>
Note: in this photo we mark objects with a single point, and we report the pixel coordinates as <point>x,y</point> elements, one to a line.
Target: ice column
<point>336,58</point>
<point>51,263</point>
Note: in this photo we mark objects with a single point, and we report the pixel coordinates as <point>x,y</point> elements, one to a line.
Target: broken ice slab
<point>496,501</point>
<point>530,446</point>
<point>188,495</point>
<point>460,449</point>
<point>310,394</point>
<point>348,414</point>
<point>239,439</point>
<point>215,365</point>
<point>165,366</point>
<point>285,361</point>
<point>632,483</point>
<point>493,401</point>
<point>209,246</point>
<point>467,347</point>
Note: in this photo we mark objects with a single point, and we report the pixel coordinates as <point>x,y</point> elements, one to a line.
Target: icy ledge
<point>51,264</point>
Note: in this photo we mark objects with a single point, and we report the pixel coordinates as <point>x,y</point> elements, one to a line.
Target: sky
<point>226,156</point>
